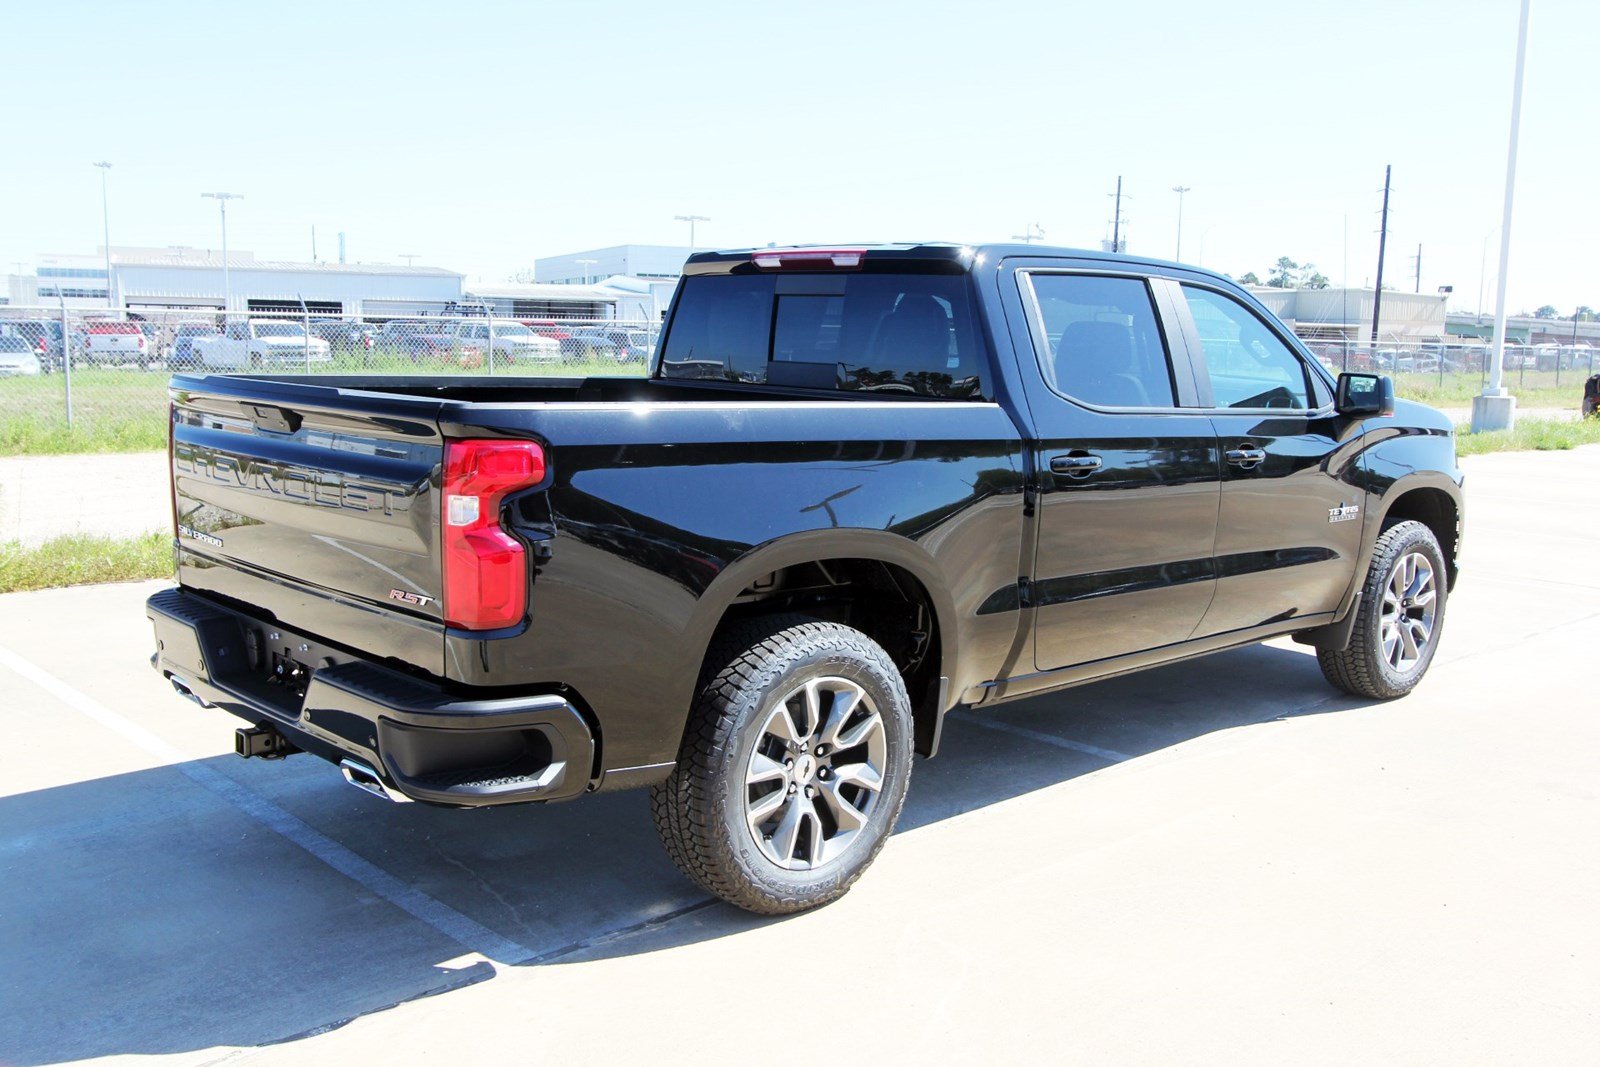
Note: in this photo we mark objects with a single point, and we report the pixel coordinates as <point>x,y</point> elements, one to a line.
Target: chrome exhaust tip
<point>366,779</point>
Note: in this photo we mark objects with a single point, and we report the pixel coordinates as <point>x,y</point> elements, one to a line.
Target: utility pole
<point>407,256</point>
<point>586,264</point>
<point>691,220</point>
<point>105,220</point>
<point>1383,240</point>
<point>313,243</point>
<point>1177,253</point>
<point>1116,218</point>
<point>1495,409</point>
<point>227,288</point>
<point>1030,233</point>
<point>1418,289</point>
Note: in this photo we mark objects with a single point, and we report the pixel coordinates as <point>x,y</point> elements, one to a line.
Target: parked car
<point>969,475</point>
<point>182,353</point>
<point>18,358</point>
<point>615,345</point>
<point>42,337</point>
<point>512,341</point>
<point>259,343</point>
<point>111,342</point>
<point>344,335</point>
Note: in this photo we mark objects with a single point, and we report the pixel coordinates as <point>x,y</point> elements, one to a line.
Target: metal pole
<point>1418,288</point>
<point>1116,219</point>
<point>1383,240</point>
<point>491,338</point>
<point>305,337</point>
<point>66,355</point>
<point>105,219</point>
<point>227,283</point>
<point>1496,371</point>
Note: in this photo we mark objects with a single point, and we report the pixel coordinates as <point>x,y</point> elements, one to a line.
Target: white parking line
<point>468,933</point>
<point>1037,735</point>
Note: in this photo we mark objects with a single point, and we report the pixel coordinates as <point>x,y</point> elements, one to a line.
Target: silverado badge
<point>1343,513</point>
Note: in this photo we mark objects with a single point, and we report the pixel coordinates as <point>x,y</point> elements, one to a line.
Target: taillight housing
<point>485,570</point>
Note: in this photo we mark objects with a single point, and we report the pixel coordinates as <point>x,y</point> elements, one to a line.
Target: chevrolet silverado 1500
<point>857,489</point>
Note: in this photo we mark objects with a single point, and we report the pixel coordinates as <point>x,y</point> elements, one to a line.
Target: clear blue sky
<point>481,136</point>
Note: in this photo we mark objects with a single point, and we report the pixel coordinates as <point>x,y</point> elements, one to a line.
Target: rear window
<point>892,333</point>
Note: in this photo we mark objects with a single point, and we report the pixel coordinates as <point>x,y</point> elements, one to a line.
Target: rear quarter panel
<point>662,514</point>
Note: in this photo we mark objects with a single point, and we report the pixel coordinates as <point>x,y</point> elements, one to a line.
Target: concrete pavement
<point>121,494</point>
<point>1220,861</point>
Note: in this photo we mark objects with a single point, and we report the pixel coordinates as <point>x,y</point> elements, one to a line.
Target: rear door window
<point>891,333</point>
<point>1105,345</point>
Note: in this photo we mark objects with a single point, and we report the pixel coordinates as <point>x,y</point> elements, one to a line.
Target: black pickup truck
<point>858,488</point>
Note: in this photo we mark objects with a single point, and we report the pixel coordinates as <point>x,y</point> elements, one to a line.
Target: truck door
<point>1127,470</point>
<point>1290,523</point>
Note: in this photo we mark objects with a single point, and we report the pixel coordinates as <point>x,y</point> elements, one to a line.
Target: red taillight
<point>485,574</point>
<point>774,258</point>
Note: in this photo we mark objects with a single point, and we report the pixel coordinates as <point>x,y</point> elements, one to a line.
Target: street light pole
<point>227,286</point>
<point>105,219</point>
<point>691,220</point>
<point>1180,190</point>
<point>586,264</point>
<point>1495,409</point>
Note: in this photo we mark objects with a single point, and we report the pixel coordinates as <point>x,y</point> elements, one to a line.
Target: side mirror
<point>1365,394</point>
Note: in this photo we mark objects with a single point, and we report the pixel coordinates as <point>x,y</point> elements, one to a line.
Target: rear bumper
<point>425,743</point>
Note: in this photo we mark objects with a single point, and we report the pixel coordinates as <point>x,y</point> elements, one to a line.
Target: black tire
<point>701,811</point>
<point>1364,668</point>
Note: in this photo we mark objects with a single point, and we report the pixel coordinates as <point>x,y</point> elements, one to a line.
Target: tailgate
<point>316,506</point>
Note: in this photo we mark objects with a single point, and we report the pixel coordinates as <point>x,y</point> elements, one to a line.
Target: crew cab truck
<point>258,344</point>
<point>858,488</point>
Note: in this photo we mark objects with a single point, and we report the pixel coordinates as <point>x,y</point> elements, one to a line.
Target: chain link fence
<point>95,380</point>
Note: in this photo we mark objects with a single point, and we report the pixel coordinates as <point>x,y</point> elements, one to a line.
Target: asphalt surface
<point>1220,861</point>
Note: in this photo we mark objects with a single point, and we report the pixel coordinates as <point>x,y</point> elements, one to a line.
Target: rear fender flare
<point>808,547</point>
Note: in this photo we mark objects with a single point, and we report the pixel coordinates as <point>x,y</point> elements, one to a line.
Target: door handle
<point>1076,465</point>
<point>1247,456</point>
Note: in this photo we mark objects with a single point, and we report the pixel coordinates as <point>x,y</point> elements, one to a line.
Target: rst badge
<point>1344,513</point>
<point>406,597</point>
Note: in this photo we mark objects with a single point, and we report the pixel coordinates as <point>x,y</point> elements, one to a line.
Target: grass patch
<point>112,411</point>
<point>1530,435</point>
<point>125,410</point>
<point>1533,389</point>
<point>80,559</point>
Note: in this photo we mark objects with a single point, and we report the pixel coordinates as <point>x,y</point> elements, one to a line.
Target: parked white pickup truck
<point>512,340</point>
<point>260,343</point>
<point>112,342</point>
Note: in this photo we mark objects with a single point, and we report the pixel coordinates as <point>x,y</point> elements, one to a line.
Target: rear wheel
<point>1401,614</point>
<point>793,767</point>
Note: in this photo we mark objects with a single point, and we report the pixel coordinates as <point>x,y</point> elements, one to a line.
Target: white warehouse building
<point>154,278</point>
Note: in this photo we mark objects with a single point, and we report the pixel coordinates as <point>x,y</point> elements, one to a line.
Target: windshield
<point>279,329</point>
<point>515,329</point>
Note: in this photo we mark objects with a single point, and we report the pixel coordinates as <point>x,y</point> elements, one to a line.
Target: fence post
<point>491,339</point>
<point>305,342</point>
<point>1522,371</point>
<point>66,357</point>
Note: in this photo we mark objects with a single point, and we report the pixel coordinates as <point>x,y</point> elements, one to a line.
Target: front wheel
<point>793,766</point>
<point>1401,614</point>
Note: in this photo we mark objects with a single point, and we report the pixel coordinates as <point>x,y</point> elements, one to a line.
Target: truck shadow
<point>145,913</point>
